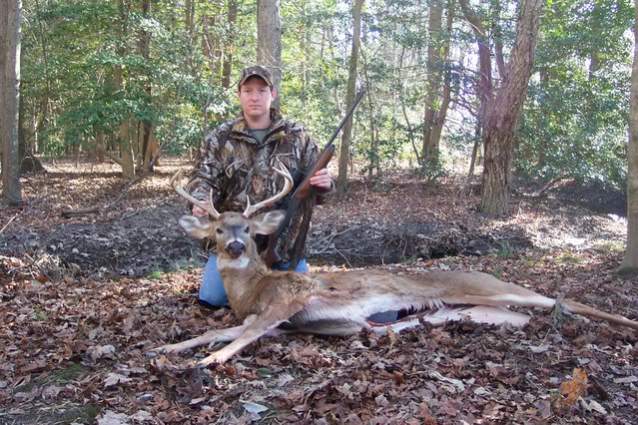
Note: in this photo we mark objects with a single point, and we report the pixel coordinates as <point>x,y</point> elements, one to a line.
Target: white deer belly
<point>355,310</point>
<point>435,312</point>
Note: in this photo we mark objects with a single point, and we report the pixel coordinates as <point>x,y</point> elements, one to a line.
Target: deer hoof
<point>216,358</point>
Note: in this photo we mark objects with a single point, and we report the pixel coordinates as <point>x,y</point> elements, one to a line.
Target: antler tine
<point>288,183</point>
<point>209,206</point>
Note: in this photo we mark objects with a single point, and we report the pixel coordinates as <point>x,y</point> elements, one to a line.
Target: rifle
<point>305,193</point>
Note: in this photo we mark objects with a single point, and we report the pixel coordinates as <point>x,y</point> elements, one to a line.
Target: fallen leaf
<point>254,408</point>
<point>51,392</point>
<point>112,418</point>
<point>142,416</point>
<point>539,349</point>
<point>113,379</point>
<point>457,383</point>
<point>197,400</point>
<point>35,366</point>
<point>101,351</point>
<point>594,405</point>
<point>626,380</point>
<point>480,391</point>
<point>574,388</point>
<point>544,408</point>
<point>381,400</point>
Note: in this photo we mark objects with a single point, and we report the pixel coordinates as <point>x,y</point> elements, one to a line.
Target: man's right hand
<point>198,212</point>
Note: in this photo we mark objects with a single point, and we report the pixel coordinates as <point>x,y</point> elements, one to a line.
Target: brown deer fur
<point>341,303</point>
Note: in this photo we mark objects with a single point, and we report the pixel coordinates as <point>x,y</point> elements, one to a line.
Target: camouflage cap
<point>256,71</point>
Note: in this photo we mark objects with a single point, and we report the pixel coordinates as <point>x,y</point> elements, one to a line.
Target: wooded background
<point>495,136</point>
<point>540,89</point>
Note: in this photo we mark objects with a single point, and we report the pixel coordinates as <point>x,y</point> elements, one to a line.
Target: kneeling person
<point>236,162</point>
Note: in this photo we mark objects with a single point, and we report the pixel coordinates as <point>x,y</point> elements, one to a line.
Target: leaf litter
<point>73,338</point>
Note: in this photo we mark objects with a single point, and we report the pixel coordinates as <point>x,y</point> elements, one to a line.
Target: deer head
<point>234,232</point>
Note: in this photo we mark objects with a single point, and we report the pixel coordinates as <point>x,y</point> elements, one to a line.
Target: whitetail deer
<point>341,303</point>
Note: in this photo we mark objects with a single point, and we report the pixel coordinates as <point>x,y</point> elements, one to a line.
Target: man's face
<point>255,98</point>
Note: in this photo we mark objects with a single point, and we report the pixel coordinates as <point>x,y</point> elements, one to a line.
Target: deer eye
<point>219,231</point>
<point>247,229</point>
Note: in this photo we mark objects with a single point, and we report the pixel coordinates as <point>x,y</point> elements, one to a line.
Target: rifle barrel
<point>357,99</point>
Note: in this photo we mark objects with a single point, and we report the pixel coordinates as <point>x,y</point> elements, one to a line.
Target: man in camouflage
<point>236,161</point>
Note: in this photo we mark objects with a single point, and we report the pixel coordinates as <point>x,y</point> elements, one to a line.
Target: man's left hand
<point>321,180</point>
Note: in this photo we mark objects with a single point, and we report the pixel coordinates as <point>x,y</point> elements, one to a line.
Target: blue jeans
<point>212,291</point>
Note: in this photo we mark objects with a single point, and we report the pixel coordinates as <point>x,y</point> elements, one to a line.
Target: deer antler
<point>209,207</point>
<point>288,183</point>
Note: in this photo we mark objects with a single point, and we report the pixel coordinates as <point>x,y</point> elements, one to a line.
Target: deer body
<point>341,303</point>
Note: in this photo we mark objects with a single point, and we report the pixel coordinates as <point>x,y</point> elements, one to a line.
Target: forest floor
<point>83,298</point>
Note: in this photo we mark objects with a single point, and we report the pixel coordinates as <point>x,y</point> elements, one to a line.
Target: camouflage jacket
<point>236,166</point>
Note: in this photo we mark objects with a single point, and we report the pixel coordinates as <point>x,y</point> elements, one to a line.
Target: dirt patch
<point>134,244</point>
<point>149,239</point>
<point>142,236</point>
<point>374,244</point>
<point>401,220</point>
<point>596,197</point>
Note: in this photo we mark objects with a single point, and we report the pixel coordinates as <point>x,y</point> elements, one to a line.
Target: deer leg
<point>477,314</point>
<point>483,289</point>
<point>337,327</point>
<point>264,323</point>
<point>212,336</point>
<point>505,293</point>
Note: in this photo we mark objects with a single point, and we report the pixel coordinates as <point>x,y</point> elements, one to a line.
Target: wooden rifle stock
<point>303,192</point>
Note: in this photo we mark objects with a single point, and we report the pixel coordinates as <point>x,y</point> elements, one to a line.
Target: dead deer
<point>341,303</point>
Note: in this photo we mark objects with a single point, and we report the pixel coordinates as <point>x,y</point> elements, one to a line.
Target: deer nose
<point>235,249</point>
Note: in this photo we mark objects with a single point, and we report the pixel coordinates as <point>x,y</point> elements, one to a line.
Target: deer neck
<point>241,278</point>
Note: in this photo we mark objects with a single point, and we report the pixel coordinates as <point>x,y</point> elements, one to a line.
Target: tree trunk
<point>269,40</point>
<point>433,69</point>
<point>594,55</point>
<point>504,110</point>
<point>126,161</point>
<point>630,261</point>
<point>475,150</point>
<point>26,152</point>
<point>346,136</point>
<point>152,153</point>
<point>439,118</point>
<point>127,158</point>
<point>209,42</point>
<point>485,89</point>
<point>23,149</point>
<point>10,16</point>
<point>227,65</point>
<point>189,23</point>
<point>100,148</point>
<point>147,127</point>
<point>374,162</point>
<point>497,35</point>
<point>45,101</point>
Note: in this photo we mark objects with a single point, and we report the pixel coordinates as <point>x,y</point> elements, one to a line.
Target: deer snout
<point>235,249</point>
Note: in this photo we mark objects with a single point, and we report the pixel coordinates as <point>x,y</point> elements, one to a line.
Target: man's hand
<point>198,212</point>
<point>321,180</point>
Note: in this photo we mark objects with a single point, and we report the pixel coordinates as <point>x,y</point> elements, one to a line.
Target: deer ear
<point>195,227</point>
<point>267,223</point>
